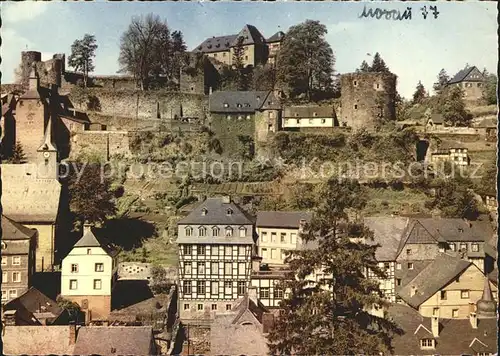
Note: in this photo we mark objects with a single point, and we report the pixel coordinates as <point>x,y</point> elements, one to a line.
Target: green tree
<point>17,156</point>
<point>242,74</point>
<point>443,80</point>
<point>454,198</point>
<point>82,56</point>
<point>73,309</point>
<point>490,88</point>
<point>264,77</point>
<point>305,61</point>
<point>159,281</point>
<point>364,68</point>
<point>419,94</point>
<point>451,104</point>
<point>488,182</point>
<point>378,64</point>
<point>90,195</point>
<point>332,313</point>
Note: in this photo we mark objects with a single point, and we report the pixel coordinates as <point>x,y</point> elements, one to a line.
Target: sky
<point>416,50</point>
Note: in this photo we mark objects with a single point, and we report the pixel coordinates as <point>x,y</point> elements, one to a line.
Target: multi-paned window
<point>263,236</point>
<point>200,250</point>
<point>200,307</point>
<point>99,267</point>
<point>12,293</point>
<point>464,294</point>
<point>228,250</point>
<point>283,237</point>
<point>16,260</point>
<point>4,295</point>
<point>228,268</point>
<point>97,284</point>
<point>242,287</point>
<point>16,277</point>
<point>187,267</point>
<point>427,343</point>
<point>264,293</point>
<point>187,249</point>
<point>242,268</point>
<point>215,231</point>
<point>5,277</point>
<point>214,288</point>
<point>241,250</point>
<point>74,268</point>
<point>189,231</point>
<point>278,293</point>
<point>214,268</point>
<point>201,267</point>
<point>228,287</point>
<point>475,247</point>
<point>243,231</point>
<point>202,231</point>
<point>187,287</point>
<point>200,288</point>
<point>186,306</point>
<point>73,284</point>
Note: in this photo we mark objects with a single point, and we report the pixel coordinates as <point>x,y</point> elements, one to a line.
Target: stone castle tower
<point>367,98</point>
<point>49,72</point>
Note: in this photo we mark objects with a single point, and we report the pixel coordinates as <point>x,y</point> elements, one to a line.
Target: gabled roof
<point>216,214</point>
<point>237,101</point>
<point>89,239</point>
<point>114,340</point>
<point>456,336</point>
<point>282,219</point>
<point>277,37</point>
<point>387,232</point>
<point>36,303</point>
<point>12,230</point>
<point>250,36</point>
<point>309,111</point>
<point>435,276</point>
<point>454,229</point>
<point>463,73</point>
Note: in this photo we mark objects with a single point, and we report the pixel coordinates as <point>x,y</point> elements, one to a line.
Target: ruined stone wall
<point>103,144</point>
<point>114,82</point>
<point>148,104</point>
<point>367,98</point>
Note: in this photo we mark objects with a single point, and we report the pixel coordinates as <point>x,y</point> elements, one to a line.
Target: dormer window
<point>189,231</point>
<point>460,229</point>
<point>202,231</point>
<point>226,105</point>
<point>204,211</point>
<point>315,114</point>
<point>4,246</point>
<point>215,231</point>
<point>426,344</point>
<point>229,231</point>
<point>239,105</point>
<point>247,105</point>
<point>243,231</point>
<point>229,212</point>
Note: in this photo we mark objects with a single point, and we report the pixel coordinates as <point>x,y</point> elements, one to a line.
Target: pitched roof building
<point>471,81</point>
<point>18,258</point>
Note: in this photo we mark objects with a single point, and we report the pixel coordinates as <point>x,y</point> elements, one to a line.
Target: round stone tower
<point>28,59</point>
<point>366,99</point>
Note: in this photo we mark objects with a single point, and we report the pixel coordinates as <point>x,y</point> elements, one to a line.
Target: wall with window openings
<point>15,274</point>
<point>274,242</point>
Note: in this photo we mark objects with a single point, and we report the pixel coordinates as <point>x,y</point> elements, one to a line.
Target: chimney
<point>473,320</point>
<point>72,333</point>
<point>302,223</point>
<point>413,291</point>
<point>210,90</point>
<point>252,294</point>
<point>87,227</point>
<point>256,260</point>
<point>10,317</point>
<point>435,326</point>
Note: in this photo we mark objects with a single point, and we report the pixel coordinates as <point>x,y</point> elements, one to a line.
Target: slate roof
<point>90,239</point>
<point>277,37</point>
<point>458,229</point>
<point>237,101</point>
<point>282,219</point>
<point>114,340</point>
<point>309,111</point>
<point>216,214</point>
<point>456,336</point>
<point>462,74</point>
<point>250,34</point>
<point>12,230</point>
<point>216,44</point>
<point>38,304</point>
<point>37,340</point>
<point>387,232</point>
<point>435,276</point>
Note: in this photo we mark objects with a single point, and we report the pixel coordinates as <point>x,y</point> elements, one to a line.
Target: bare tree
<point>145,49</point>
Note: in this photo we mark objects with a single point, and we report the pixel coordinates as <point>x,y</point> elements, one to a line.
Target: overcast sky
<point>413,49</point>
